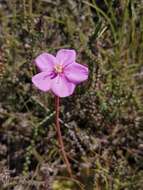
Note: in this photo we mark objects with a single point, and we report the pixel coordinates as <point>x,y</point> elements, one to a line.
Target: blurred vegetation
<point>101,122</point>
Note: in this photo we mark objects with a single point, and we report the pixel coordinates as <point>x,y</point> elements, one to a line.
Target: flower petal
<point>76,73</point>
<point>62,87</point>
<point>42,81</point>
<point>66,56</point>
<point>45,62</point>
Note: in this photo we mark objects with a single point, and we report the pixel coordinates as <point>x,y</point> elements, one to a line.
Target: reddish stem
<point>60,139</point>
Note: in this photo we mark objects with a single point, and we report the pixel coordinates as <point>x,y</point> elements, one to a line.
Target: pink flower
<point>59,74</point>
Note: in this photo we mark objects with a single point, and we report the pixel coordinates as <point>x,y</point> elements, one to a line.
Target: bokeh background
<point>101,123</point>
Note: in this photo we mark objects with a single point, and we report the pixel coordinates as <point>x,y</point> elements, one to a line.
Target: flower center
<point>58,68</point>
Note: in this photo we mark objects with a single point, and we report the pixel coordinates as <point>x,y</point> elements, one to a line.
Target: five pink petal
<point>62,84</point>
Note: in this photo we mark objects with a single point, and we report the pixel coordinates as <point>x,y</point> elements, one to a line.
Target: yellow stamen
<point>58,68</point>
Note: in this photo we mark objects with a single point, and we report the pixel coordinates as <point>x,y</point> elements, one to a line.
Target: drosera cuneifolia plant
<point>59,74</point>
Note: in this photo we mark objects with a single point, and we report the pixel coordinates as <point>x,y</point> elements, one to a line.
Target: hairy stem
<point>60,139</point>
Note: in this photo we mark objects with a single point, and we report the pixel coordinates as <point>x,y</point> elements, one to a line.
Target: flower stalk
<point>60,139</point>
